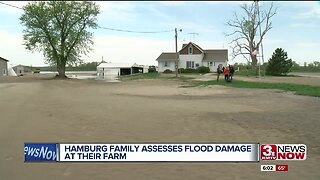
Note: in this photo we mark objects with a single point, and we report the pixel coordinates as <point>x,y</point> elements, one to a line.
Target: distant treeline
<point>311,67</point>
<point>90,66</point>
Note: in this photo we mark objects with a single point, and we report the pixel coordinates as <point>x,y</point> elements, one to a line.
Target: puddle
<point>99,78</point>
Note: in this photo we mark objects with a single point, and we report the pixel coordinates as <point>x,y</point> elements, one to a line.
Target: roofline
<point>165,59</point>
<point>164,53</point>
<point>4,59</point>
<point>197,46</point>
<point>215,50</point>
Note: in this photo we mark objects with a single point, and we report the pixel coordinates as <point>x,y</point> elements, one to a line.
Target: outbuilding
<point>21,69</point>
<point>118,69</point>
<point>3,67</point>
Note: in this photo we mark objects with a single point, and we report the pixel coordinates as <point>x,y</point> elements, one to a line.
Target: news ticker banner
<point>155,152</point>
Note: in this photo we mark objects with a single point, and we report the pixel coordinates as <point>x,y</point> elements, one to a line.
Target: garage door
<point>111,72</point>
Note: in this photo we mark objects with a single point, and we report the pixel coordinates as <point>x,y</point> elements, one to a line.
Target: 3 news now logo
<point>283,152</point>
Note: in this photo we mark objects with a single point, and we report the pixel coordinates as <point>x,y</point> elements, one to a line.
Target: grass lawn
<point>140,76</point>
<point>297,88</point>
<point>155,76</point>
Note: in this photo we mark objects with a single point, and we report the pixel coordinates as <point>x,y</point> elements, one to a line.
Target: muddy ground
<point>36,109</point>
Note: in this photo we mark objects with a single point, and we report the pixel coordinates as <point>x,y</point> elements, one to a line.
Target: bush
<point>203,70</point>
<point>167,71</point>
<point>182,70</point>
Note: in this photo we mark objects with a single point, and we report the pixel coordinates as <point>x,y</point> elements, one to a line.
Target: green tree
<point>310,65</point>
<point>279,64</point>
<point>295,64</point>
<point>59,29</point>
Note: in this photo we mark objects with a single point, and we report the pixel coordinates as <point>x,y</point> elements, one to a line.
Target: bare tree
<point>246,26</point>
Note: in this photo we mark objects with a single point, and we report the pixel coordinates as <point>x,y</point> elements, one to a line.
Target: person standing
<point>231,69</point>
<point>219,71</point>
<point>226,73</point>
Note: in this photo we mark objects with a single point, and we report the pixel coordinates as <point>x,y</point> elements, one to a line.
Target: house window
<point>190,50</point>
<point>190,64</point>
<point>4,72</point>
<point>197,64</point>
<point>165,64</point>
<point>210,63</point>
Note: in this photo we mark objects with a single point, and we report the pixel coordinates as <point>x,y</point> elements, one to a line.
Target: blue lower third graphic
<point>40,152</point>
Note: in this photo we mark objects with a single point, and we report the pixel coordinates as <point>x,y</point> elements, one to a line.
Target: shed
<point>21,69</point>
<point>118,69</point>
<point>3,67</point>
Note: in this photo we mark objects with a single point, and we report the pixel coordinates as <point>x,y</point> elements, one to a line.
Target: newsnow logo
<point>40,152</point>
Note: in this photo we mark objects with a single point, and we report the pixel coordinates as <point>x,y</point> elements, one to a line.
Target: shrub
<point>203,70</point>
<point>167,71</point>
<point>279,64</point>
<point>182,70</point>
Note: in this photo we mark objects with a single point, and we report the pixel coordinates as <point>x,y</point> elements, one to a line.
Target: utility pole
<point>177,61</point>
<point>177,56</point>
<point>262,56</point>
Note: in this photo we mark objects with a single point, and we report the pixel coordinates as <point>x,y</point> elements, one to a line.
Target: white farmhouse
<point>192,56</point>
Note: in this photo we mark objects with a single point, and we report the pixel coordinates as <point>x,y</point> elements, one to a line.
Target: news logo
<point>40,152</point>
<point>283,152</point>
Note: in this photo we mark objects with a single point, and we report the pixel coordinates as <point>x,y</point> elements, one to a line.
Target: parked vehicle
<point>152,69</point>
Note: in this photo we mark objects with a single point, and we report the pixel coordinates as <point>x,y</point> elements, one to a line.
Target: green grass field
<point>155,76</point>
<point>297,88</point>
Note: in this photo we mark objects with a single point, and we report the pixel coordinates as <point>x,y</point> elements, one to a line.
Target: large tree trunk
<point>254,60</point>
<point>61,67</point>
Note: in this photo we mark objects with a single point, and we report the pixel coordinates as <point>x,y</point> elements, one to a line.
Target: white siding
<point>196,58</point>
<point>170,65</point>
<point>224,63</point>
<point>215,64</point>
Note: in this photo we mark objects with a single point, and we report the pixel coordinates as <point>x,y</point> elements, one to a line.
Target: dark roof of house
<point>3,59</point>
<point>185,45</point>
<point>167,57</point>
<point>215,54</point>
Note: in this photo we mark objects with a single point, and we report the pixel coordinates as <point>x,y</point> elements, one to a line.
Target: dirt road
<point>37,110</point>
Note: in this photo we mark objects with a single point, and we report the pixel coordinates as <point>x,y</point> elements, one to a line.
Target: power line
<point>10,5</point>
<point>107,28</point>
<point>130,31</point>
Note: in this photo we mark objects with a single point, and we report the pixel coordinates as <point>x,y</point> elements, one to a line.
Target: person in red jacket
<point>226,73</point>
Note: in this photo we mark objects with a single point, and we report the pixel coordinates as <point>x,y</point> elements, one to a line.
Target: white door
<point>111,72</point>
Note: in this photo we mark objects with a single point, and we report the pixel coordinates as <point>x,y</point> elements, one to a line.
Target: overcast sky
<point>296,29</point>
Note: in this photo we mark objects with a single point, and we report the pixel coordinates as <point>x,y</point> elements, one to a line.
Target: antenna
<point>194,34</point>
